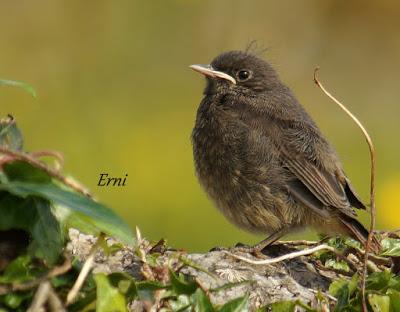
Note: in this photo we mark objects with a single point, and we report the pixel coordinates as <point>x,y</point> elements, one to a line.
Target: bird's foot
<point>243,248</point>
<point>219,248</point>
<point>249,250</point>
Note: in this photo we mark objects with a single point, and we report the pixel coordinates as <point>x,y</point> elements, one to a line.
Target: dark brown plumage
<point>262,159</point>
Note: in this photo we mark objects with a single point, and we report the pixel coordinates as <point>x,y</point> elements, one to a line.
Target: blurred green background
<point>115,93</point>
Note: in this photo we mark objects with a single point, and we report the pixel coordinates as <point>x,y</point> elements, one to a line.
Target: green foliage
<point>382,288</point>
<point>96,215</point>
<point>236,305</point>
<point>31,200</point>
<point>19,84</point>
<point>391,247</point>
<point>109,298</point>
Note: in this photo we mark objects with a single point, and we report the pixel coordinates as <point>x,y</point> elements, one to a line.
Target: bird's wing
<point>306,154</point>
<point>314,185</point>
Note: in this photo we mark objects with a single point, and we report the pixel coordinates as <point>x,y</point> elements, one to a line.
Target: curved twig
<point>58,157</point>
<point>51,172</point>
<point>372,184</point>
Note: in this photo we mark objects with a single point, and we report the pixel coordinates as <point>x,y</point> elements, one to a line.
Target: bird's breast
<point>235,166</point>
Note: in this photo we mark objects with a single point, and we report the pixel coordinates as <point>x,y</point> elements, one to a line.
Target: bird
<point>262,159</point>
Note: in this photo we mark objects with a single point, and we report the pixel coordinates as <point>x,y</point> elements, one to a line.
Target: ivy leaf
<point>341,290</point>
<point>109,299</point>
<point>18,271</point>
<point>391,247</point>
<point>48,240</point>
<point>84,303</point>
<point>15,299</point>
<point>379,280</point>
<point>146,289</point>
<point>181,304</point>
<point>282,306</point>
<point>236,305</point>
<point>25,172</point>
<point>125,283</point>
<point>202,302</point>
<point>28,88</point>
<point>33,215</point>
<point>336,286</point>
<point>379,303</point>
<point>394,299</point>
<point>16,212</point>
<point>180,286</point>
<point>338,265</point>
<point>99,216</point>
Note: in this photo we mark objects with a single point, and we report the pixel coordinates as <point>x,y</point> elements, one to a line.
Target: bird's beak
<point>207,70</point>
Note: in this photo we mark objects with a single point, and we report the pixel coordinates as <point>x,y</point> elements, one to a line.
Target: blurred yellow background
<point>115,94</point>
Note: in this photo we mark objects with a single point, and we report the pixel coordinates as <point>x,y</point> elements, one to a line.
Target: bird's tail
<point>357,231</point>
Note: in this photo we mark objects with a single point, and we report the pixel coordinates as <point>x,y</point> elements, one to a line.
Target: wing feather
<point>322,184</point>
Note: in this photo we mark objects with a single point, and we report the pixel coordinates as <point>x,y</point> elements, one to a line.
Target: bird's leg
<point>256,250</point>
<point>269,240</point>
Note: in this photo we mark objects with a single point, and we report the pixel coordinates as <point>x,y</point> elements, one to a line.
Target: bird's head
<point>238,71</point>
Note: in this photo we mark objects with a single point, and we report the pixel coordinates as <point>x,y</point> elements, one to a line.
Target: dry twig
<point>288,256</point>
<point>56,271</point>
<point>30,159</point>
<point>58,158</point>
<point>40,297</point>
<point>86,268</point>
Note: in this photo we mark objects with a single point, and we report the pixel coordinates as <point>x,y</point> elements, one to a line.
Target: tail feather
<point>359,232</point>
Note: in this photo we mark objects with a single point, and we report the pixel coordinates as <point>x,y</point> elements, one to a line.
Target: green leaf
<point>146,289</point>
<point>353,284</point>
<point>379,303</point>
<point>18,271</point>
<point>236,305</point>
<point>10,135</point>
<point>48,240</point>
<point>19,84</point>
<point>337,265</point>
<point>109,299</point>
<point>125,283</point>
<point>25,172</point>
<point>84,303</point>
<point>16,212</point>
<point>33,214</point>
<point>379,280</point>
<point>336,286</point>
<point>202,302</point>
<point>14,299</point>
<point>350,242</point>
<point>182,286</point>
<point>182,303</point>
<point>282,306</point>
<point>391,247</point>
<point>394,300</point>
<point>305,307</point>
<point>340,290</point>
<point>66,280</point>
<point>98,216</point>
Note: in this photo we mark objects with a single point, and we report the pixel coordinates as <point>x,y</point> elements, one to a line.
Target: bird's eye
<point>243,75</point>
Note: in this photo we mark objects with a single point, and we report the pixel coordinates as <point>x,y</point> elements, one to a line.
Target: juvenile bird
<point>262,159</point>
